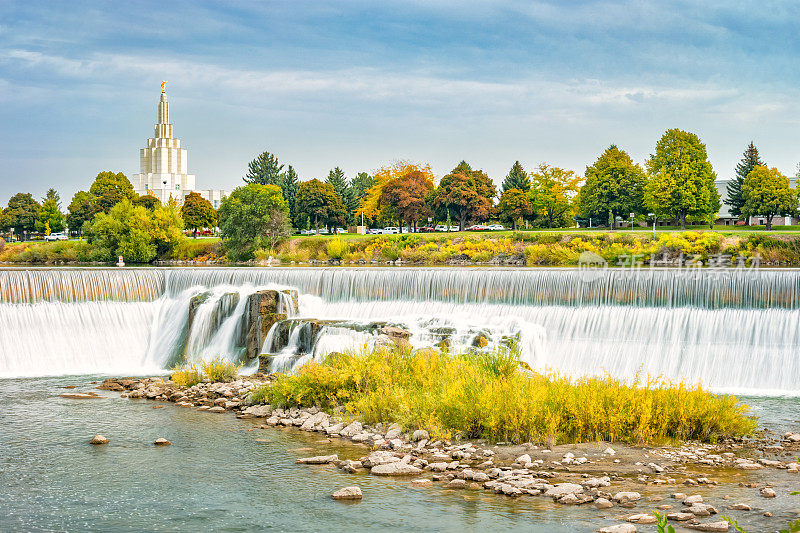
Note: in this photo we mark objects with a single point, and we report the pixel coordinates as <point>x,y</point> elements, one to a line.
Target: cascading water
<point>736,330</point>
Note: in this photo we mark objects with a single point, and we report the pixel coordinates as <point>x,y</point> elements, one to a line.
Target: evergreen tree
<point>750,161</point>
<point>517,178</point>
<point>264,169</point>
<point>20,215</point>
<point>50,218</point>
<point>289,185</point>
<point>338,181</point>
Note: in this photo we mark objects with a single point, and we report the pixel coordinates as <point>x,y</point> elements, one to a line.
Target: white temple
<point>162,165</point>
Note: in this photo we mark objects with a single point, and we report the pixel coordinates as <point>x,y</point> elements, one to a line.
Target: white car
<point>496,227</point>
<point>307,232</point>
<point>441,227</point>
<point>323,231</point>
<point>341,230</point>
<point>375,231</point>
<point>391,230</point>
<point>56,237</point>
<point>453,228</point>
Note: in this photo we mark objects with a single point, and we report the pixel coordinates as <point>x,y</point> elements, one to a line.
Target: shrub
<point>490,396</point>
<point>186,375</point>
<point>336,248</point>
<point>218,370</point>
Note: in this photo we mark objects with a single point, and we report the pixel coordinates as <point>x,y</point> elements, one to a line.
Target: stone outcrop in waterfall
<point>264,309</point>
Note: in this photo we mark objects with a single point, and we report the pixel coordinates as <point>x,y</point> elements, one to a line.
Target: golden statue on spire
<point>163,86</point>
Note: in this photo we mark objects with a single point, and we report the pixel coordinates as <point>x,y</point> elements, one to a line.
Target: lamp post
<point>654,223</point>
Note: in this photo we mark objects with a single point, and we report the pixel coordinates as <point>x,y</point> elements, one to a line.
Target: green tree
<point>198,213</point>
<point>766,192</point>
<point>21,214</point>
<point>137,234</point>
<point>517,178</point>
<point>245,217</point>
<point>320,203</point>
<point>466,193</point>
<point>289,184</point>
<point>50,219</point>
<point>82,209</point>
<point>750,160</point>
<point>264,169</point>
<point>614,184</point>
<point>553,193</point>
<point>407,197</point>
<point>109,189</point>
<point>338,180</point>
<point>148,201</point>
<point>681,181</point>
<point>360,187</point>
<point>514,205</point>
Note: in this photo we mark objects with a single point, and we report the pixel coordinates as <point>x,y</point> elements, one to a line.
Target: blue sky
<point>361,84</point>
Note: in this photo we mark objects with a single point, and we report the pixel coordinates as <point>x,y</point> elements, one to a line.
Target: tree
<point>148,201</point>
<point>278,227</point>
<point>750,160</point>
<point>246,215</point>
<point>82,209</point>
<point>514,205</point>
<point>198,213</point>
<point>466,193</point>
<point>407,197</point>
<point>517,178</point>
<point>137,234</point>
<point>553,192</point>
<point>681,178</point>
<point>21,213</point>
<point>289,184</point>
<point>339,182</point>
<point>109,189</point>
<point>264,169</point>
<point>766,192</point>
<point>320,203</point>
<point>614,184</point>
<point>369,205</point>
<point>50,218</point>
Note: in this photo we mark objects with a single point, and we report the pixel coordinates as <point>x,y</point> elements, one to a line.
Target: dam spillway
<point>733,330</point>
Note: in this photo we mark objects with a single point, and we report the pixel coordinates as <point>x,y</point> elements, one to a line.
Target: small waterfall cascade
<point>734,330</point>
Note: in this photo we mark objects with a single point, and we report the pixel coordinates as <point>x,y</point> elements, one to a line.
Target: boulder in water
<point>82,396</point>
<point>98,439</point>
<point>162,442</point>
<point>348,493</point>
<point>318,460</point>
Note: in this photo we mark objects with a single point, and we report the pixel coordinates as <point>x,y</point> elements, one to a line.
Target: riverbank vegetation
<point>532,248</point>
<point>215,370</point>
<point>493,396</point>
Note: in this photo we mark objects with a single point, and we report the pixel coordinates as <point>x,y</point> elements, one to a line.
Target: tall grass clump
<point>336,248</point>
<point>215,370</point>
<point>186,375</point>
<point>494,397</point>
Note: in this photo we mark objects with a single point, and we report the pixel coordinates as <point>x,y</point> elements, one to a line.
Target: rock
<point>680,517</point>
<point>602,503</point>
<point>457,484</point>
<point>82,396</point>
<point>701,509</point>
<point>524,459</point>
<point>98,439</point>
<point>421,482</point>
<point>594,482</point>
<point>419,435</point>
<point>217,409</point>
<point>619,528</point>
<point>561,489</point>
<point>395,469</point>
<point>162,442</point>
<point>259,411</point>
<point>642,518</point>
<point>740,507</point>
<point>767,492</point>
<point>348,493</point>
<point>691,500</point>
<point>624,497</point>
<point>353,429</point>
<point>609,451</point>
<point>722,525</point>
<point>379,458</point>
<point>318,460</point>
<point>393,433</point>
<point>794,437</point>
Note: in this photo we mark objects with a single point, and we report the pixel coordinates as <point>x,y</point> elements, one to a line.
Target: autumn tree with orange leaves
<point>406,196</point>
<point>370,205</point>
<point>466,193</point>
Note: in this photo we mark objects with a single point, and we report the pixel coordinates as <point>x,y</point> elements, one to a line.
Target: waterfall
<point>735,330</point>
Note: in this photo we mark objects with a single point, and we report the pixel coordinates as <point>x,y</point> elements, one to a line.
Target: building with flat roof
<point>163,170</point>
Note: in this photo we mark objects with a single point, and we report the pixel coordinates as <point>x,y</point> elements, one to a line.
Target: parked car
<point>477,227</point>
<point>341,230</point>
<point>375,231</point>
<point>454,228</point>
<point>56,237</point>
<point>323,231</point>
<point>441,227</point>
<point>426,229</point>
<point>307,232</point>
<point>496,227</point>
<point>391,229</point>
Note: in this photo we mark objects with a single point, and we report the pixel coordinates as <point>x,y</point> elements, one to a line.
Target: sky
<point>362,84</point>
